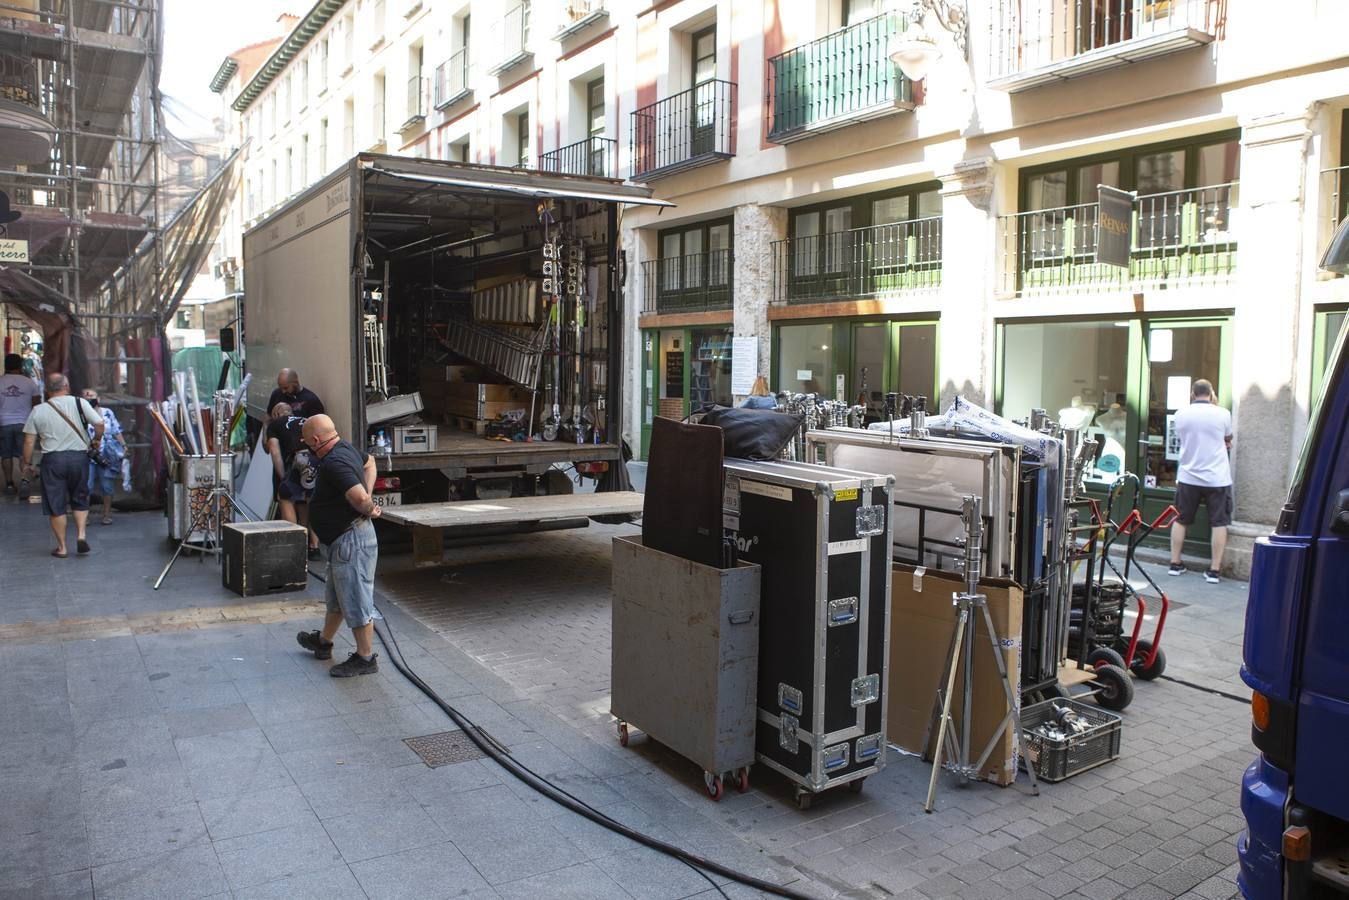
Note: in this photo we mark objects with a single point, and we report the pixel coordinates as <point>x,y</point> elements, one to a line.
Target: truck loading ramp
<point>515,510</point>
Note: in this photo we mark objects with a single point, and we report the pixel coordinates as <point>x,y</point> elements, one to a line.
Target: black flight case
<point>822,537</point>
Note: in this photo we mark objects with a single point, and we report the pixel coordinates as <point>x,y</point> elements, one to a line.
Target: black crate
<point>258,557</point>
<point>1055,759</point>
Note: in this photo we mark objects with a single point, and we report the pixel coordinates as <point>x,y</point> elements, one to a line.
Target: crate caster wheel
<point>742,780</point>
<point>623,733</point>
<point>803,799</point>
<point>855,786</point>
<point>713,785</point>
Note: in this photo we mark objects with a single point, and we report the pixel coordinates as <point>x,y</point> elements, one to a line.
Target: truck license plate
<point>389,499</point>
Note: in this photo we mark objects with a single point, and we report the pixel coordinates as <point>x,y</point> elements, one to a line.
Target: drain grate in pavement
<point>446,748</point>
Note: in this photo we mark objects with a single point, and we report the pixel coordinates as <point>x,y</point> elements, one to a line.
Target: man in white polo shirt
<point>1205,475</point>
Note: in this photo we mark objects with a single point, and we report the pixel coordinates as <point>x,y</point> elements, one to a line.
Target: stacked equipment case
<point>822,537</point>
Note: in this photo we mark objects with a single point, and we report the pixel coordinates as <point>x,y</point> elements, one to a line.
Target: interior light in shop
<point>824,346</point>
<point>1160,345</point>
<point>916,49</point>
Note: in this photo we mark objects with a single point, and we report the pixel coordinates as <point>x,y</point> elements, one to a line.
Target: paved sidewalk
<point>178,744</point>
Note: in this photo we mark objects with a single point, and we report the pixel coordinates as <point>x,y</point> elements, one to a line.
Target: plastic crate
<point>1055,760</point>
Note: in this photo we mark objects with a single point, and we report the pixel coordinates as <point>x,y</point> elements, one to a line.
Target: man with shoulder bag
<point>66,452</point>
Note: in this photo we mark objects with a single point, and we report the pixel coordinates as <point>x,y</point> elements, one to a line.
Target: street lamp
<point>915,49</point>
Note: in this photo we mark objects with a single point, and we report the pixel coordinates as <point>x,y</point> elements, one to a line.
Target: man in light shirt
<point>1204,430</point>
<point>18,395</point>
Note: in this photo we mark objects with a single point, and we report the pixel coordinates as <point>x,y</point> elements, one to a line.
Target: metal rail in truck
<point>484,301</point>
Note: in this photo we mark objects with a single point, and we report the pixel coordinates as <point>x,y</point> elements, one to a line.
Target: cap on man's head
<point>13,362</point>
<point>1202,388</point>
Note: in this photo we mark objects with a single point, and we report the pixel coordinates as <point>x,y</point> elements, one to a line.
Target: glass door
<point>1174,354</point>
<point>704,105</point>
<point>870,368</point>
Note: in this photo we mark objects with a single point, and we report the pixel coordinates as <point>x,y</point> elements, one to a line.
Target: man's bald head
<point>318,427</point>
<point>281,411</point>
<point>57,384</point>
<point>288,380</point>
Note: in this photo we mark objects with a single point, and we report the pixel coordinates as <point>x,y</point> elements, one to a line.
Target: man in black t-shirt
<point>294,472</point>
<point>341,512</point>
<point>302,401</point>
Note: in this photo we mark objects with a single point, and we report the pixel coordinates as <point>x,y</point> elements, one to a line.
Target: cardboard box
<point>485,393</point>
<point>468,408</point>
<point>922,620</point>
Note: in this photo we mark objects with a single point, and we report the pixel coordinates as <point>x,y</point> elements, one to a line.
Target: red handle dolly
<point>1145,657</point>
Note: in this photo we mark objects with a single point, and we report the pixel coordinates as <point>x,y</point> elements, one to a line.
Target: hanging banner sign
<point>1115,209</point>
<point>12,251</point>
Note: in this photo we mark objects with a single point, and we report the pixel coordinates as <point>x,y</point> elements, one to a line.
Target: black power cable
<point>560,796</point>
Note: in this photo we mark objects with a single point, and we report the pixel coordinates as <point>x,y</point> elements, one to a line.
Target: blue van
<point>1295,795</point>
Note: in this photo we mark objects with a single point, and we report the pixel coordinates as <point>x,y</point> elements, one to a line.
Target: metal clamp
<point>870,520</point>
<point>787,736</point>
<point>866,689</point>
<point>843,611</point>
<point>835,757</point>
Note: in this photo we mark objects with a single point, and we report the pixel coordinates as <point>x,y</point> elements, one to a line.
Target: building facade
<point>875,235</point>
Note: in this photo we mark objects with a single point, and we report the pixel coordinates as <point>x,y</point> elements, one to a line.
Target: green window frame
<point>696,258</point>
<point>840,248</point>
<point>1181,230</point>
<point>1326,326</point>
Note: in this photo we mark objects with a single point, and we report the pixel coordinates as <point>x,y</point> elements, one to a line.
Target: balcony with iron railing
<point>842,78</point>
<point>1177,238</point>
<point>1335,188</point>
<point>591,156</point>
<point>580,15</point>
<point>691,128</point>
<point>416,108</point>
<point>1045,42</point>
<point>859,263</point>
<point>514,39</point>
<point>697,282</point>
<point>451,81</point>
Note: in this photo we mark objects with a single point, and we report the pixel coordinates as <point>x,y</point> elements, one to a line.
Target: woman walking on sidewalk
<point>103,479</point>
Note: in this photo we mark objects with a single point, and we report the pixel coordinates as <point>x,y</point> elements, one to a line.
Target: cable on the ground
<point>559,795</point>
<point>1208,690</point>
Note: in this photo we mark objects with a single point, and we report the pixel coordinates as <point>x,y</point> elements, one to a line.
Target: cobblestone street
<point>178,744</point>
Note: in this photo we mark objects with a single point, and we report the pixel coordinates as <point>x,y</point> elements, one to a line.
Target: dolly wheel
<point>855,786</point>
<point>1105,656</point>
<point>803,798</point>
<point>1115,689</point>
<point>742,780</point>
<point>623,733</point>
<point>713,784</point>
<point>1148,673</point>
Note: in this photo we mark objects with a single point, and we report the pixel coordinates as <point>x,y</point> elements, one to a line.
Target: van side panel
<point>1278,573</point>
<point>298,301</point>
<point>1260,848</point>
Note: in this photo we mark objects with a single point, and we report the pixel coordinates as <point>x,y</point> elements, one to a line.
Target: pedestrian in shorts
<point>60,424</point>
<point>18,395</point>
<point>1204,430</point>
<point>342,514</point>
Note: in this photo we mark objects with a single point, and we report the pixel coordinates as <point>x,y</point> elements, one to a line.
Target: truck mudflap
<point>1264,795</point>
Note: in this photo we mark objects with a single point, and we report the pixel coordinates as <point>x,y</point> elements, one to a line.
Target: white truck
<point>484,300</point>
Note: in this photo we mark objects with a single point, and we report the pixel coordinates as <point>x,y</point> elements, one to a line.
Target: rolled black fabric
<point>756,434</point>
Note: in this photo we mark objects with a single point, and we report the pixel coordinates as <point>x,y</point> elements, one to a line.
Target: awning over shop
<point>65,345</point>
<point>530,184</point>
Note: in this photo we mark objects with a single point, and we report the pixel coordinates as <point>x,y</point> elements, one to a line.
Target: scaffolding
<point>80,132</point>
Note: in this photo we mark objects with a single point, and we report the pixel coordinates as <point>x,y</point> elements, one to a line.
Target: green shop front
<point>686,323</point>
<point>1127,377</point>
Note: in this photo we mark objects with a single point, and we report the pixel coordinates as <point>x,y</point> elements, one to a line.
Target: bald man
<point>302,401</point>
<point>341,512</point>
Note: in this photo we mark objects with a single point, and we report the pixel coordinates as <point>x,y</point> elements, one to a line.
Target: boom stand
<point>961,655</point>
<point>221,495</point>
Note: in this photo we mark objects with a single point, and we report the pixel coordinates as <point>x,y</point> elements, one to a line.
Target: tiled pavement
<point>193,756</point>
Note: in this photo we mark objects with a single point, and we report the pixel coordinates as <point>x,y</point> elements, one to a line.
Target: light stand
<point>221,495</point>
<point>961,654</point>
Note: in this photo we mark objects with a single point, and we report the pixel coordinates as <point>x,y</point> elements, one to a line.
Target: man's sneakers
<point>314,642</point>
<point>1211,576</point>
<point>356,665</point>
<point>1176,569</point>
